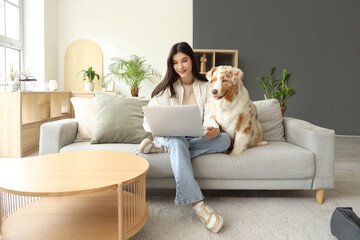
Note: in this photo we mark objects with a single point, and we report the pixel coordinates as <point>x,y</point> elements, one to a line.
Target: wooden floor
<point>347,166</point>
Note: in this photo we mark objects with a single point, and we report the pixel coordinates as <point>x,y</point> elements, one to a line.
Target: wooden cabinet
<point>21,115</point>
<point>83,94</point>
<point>208,58</point>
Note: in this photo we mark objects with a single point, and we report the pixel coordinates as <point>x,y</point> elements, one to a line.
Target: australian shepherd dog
<point>233,110</point>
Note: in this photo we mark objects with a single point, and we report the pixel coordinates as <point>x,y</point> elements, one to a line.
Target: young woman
<point>182,85</point>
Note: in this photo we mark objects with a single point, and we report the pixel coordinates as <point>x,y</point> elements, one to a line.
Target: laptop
<point>180,120</point>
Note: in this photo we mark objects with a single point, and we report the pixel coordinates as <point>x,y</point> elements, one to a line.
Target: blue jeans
<point>181,150</point>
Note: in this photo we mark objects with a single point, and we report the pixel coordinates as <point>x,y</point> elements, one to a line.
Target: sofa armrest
<point>54,135</point>
<point>318,140</point>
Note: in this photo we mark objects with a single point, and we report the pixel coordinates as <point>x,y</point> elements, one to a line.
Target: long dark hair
<point>171,76</point>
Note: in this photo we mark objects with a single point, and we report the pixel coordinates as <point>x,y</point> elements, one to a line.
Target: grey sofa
<point>305,160</point>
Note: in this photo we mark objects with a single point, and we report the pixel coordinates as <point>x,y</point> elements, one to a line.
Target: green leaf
<point>89,74</point>
<point>276,88</point>
<point>132,71</point>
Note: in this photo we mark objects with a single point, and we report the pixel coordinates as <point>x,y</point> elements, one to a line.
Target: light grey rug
<point>247,218</point>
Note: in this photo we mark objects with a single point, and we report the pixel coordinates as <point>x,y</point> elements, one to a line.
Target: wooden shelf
<point>22,113</point>
<point>28,123</point>
<point>215,57</point>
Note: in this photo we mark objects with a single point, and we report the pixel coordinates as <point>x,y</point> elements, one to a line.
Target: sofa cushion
<point>278,160</point>
<point>270,118</point>
<point>119,119</point>
<point>85,112</point>
<point>159,163</point>
<point>87,146</point>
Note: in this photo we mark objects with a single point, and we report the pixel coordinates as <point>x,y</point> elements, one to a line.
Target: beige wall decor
<point>80,55</point>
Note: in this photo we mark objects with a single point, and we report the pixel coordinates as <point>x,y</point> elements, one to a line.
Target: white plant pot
<point>89,87</point>
<point>13,86</point>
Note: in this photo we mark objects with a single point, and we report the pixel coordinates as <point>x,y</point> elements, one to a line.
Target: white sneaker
<point>148,146</point>
<point>209,217</point>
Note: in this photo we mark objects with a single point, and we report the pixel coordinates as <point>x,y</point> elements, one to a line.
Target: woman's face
<point>182,64</point>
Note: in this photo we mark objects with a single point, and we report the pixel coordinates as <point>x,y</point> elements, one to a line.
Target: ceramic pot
<point>53,85</point>
<point>283,109</point>
<point>89,87</point>
<point>134,92</point>
<point>13,86</point>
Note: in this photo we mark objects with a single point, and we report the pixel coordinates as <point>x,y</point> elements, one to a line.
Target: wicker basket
<point>27,83</point>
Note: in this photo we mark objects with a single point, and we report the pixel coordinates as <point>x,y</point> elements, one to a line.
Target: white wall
<point>41,40</point>
<point>125,27</point>
<point>51,40</point>
<point>34,51</point>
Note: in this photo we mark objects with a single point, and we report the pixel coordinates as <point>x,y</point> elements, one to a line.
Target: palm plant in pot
<point>277,88</point>
<point>133,72</point>
<point>89,74</point>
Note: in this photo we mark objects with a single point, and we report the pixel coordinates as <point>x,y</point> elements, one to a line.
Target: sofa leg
<point>320,196</point>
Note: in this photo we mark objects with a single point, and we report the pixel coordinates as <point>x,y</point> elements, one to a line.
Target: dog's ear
<point>210,73</point>
<point>237,74</point>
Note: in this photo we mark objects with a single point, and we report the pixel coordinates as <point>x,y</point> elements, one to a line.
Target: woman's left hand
<point>211,133</point>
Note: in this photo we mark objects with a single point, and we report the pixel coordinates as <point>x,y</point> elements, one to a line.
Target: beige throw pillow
<point>85,113</point>
<point>270,118</point>
<point>119,119</point>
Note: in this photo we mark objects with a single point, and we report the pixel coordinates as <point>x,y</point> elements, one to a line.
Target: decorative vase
<point>89,86</point>
<point>283,109</point>
<point>53,85</point>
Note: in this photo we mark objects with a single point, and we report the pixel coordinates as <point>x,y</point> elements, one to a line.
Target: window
<point>10,39</point>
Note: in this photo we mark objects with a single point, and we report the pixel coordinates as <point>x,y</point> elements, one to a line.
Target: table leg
<point>120,211</point>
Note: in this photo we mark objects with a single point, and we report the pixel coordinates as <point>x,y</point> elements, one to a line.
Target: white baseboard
<point>347,136</point>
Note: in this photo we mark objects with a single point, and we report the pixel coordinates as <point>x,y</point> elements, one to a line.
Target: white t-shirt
<point>189,96</point>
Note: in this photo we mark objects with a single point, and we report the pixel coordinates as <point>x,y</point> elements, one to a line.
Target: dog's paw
<point>233,154</point>
<point>262,143</point>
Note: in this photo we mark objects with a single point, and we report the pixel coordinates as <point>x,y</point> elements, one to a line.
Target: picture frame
<point>110,86</point>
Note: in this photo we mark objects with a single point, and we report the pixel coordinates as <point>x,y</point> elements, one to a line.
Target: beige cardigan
<point>202,95</point>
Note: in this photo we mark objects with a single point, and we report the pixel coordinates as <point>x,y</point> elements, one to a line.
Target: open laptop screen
<point>179,120</point>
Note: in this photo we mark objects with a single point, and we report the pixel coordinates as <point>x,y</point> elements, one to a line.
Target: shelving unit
<point>21,115</point>
<point>215,57</point>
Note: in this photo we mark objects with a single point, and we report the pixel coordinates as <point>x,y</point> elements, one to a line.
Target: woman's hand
<point>211,133</point>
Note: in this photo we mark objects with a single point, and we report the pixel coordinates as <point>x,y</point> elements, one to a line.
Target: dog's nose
<point>214,91</point>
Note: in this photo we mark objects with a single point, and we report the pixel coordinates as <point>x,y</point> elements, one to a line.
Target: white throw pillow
<point>85,115</point>
<point>271,120</point>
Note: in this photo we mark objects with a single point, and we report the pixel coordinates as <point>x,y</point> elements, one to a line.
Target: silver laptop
<point>182,120</point>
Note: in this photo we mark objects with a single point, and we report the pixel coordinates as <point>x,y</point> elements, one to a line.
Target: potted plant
<point>277,88</point>
<point>14,83</point>
<point>103,86</point>
<point>132,71</point>
<point>89,74</point>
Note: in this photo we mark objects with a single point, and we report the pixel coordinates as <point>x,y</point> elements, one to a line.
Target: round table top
<point>70,173</point>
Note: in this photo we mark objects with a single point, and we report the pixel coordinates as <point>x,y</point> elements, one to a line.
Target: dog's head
<point>225,81</point>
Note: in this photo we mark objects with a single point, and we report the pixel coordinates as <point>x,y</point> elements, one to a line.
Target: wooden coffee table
<point>83,195</point>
